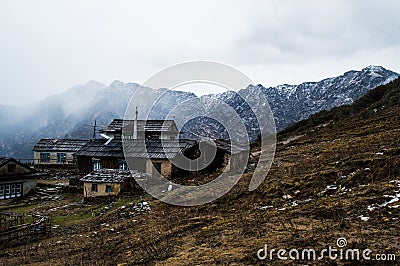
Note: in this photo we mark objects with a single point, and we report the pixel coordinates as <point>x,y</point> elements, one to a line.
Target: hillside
<point>335,175</point>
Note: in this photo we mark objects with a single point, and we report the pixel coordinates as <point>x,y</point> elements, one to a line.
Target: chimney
<point>135,133</point>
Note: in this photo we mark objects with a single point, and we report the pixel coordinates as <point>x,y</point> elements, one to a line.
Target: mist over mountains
<point>71,114</point>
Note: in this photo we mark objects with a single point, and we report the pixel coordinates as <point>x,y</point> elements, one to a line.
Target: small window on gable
<point>108,188</point>
<point>94,187</point>
<point>96,164</point>
<point>11,168</point>
<point>122,165</point>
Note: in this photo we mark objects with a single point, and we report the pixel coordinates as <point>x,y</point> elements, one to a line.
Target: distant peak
<point>94,83</point>
<point>373,68</point>
<point>252,86</point>
<point>116,83</point>
<point>132,84</point>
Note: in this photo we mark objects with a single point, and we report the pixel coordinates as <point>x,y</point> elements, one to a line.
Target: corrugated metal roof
<point>71,145</point>
<point>4,160</point>
<point>112,176</point>
<point>142,125</point>
<point>97,148</point>
<point>229,147</point>
<point>153,149</point>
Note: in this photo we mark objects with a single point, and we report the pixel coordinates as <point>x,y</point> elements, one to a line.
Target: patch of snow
<point>304,201</point>
<point>266,207</point>
<point>287,196</point>
<point>394,199</point>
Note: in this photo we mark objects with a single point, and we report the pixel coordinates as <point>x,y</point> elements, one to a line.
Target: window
<point>122,165</point>
<point>8,190</point>
<point>19,189</point>
<point>108,188</point>
<point>127,134</point>
<point>11,168</point>
<point>45,157</point>
<point>61,157</point>
<point>94,187</point>
<point>151,135</point>
<point>96,164</point>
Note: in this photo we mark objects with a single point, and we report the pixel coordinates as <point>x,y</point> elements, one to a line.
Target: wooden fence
<point>14,227</point>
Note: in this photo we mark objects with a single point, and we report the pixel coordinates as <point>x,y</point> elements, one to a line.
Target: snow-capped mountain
<point>71,114</point>
<point>292,103</point>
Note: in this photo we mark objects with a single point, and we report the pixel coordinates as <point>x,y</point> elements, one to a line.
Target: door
<point>157,166</point>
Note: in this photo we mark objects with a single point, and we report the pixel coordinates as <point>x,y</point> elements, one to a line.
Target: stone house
<point>108,182</point>
<point>56,152</point>
<point>150,142</point>
<point>16,179</point>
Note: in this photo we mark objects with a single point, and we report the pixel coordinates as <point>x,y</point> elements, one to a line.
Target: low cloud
<point>300,30</point>
<point>49,46</point>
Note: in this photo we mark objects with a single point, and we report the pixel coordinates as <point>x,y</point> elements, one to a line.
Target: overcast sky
<point>47,47</point>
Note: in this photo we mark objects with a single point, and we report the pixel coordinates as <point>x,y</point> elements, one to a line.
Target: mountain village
<point>84,193</point>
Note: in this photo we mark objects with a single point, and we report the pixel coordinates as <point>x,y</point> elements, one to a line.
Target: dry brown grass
<point>230,230</point>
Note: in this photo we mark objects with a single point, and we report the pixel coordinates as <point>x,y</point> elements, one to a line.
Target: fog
<point>50,46</point>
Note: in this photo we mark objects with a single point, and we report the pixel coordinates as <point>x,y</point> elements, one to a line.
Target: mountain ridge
<point>71,113</point>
